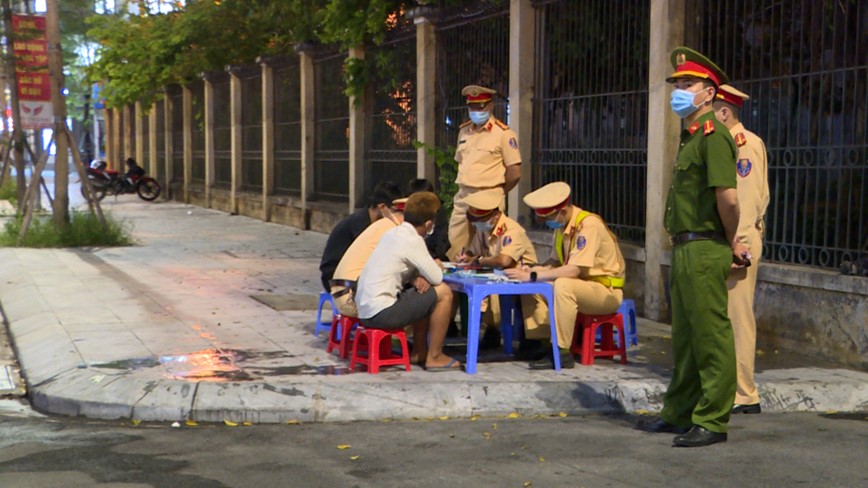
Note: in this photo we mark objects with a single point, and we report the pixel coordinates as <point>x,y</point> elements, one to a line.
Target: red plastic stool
<point>588,325</point>
<point>343,325</point>
<point>377,343</point>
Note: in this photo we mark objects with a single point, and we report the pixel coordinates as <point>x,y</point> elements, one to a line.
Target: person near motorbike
<point>134,172</point>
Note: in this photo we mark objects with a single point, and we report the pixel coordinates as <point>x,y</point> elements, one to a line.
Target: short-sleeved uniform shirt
<point>351,265</point>
<point>483,153</point>
<point>705,161</point>
<point>340,239</point>
<point>753,178</point>
<point>589,246</point>
<point>506,237</point>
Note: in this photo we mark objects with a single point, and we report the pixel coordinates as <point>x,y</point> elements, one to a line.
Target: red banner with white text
<point>31,70</point>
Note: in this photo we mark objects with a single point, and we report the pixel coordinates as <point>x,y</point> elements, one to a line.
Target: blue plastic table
<point>477,289</point>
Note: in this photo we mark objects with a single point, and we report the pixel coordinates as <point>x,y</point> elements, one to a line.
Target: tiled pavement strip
<point>169,330</point>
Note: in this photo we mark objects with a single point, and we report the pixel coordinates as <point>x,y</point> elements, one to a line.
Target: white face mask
<point>479,117</point>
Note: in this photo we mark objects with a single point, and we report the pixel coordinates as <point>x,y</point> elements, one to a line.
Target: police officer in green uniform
<point>701,218</point>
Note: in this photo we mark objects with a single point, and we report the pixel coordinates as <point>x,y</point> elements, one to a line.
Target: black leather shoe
<point>567,361</point>
<point>532,350</point>
<point>490,338</point>
<point>752,408</point>
<point>657,425</point>
<point>698,437</point>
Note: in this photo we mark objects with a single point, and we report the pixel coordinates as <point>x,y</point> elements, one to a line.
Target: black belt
<point>685,237</point>
<point>349,286</point>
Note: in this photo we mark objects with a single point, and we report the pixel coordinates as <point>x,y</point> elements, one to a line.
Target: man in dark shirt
<point>345,232</point>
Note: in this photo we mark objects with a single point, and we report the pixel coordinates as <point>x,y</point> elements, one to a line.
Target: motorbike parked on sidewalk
<point>111,182</point>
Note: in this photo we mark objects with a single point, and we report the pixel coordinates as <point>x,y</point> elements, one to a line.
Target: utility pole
<point>58,102</point>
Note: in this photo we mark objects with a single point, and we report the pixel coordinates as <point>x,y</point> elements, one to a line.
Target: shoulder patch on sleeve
<point>513,143</point>
<point>581,242</point>
<point>501,125</point>
<point>708,127</point>
<point>740,139</point>
<point>743,166</point>
<point>465,124</point>
<point>506,241</point>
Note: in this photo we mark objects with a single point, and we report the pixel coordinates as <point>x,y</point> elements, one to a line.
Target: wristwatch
<point>533,275</point>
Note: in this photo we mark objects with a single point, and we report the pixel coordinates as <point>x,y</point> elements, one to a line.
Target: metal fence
<point>472,48</point>
<point>251,128</point>
<point>331,147</point>
<point>159,135</point>
<point>177,96</point>
<point>222,130</point>
<point>391,122</point>
<point>287,128</point>
<point>197,102</point>
<point>805,65</point>
<point>591,107</point>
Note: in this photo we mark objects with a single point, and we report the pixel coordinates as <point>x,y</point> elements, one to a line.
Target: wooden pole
<point>58,102</point>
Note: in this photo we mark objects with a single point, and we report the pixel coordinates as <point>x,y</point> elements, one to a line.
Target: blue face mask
<point>681,102</point>
<point>483,226</point>
<point>554,224</point>
<point>478,117</point>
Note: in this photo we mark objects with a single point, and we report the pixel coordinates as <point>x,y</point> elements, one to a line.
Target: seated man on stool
<point>343,285</point>
<point>586,266</point>
<point>496,241</point>
<point>402,284</point>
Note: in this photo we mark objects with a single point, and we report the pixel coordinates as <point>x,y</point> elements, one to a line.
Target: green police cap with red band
<point>690,64</point>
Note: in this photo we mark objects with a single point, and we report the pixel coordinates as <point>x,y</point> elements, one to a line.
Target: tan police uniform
<point>482,154</point>
<point>584,242</point>
<point>506,237</point>
<point>753,199</point>
<point>354,260</point>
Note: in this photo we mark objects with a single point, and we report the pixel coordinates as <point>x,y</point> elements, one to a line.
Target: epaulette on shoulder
<point>465,124</point>
<point>708,127</point>
<point>740,139</point>
<point>501,125</point>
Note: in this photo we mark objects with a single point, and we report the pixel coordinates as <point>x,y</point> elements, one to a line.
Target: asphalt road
<point>768,450</point>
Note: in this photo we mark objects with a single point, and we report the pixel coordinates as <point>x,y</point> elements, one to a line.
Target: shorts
<point>410,307</point>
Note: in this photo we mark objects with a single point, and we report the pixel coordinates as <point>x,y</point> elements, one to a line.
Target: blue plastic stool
<point>628,311</point>
<point>324,298</point>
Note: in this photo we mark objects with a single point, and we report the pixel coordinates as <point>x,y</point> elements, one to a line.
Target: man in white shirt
<point>402,284</point>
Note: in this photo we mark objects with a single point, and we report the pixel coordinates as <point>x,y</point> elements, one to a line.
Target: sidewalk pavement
<point>211,318</point>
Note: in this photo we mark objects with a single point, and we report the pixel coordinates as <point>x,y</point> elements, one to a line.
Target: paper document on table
<point>497,275</point>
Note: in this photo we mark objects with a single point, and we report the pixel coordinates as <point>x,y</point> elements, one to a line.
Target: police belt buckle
<point>686,237</point>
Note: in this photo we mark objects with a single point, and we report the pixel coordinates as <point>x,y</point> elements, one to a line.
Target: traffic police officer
<point>586,266</point>
<point>753,198</point>
<point>487,156</point>
<point>497,241</point>
<point>702,219</point>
